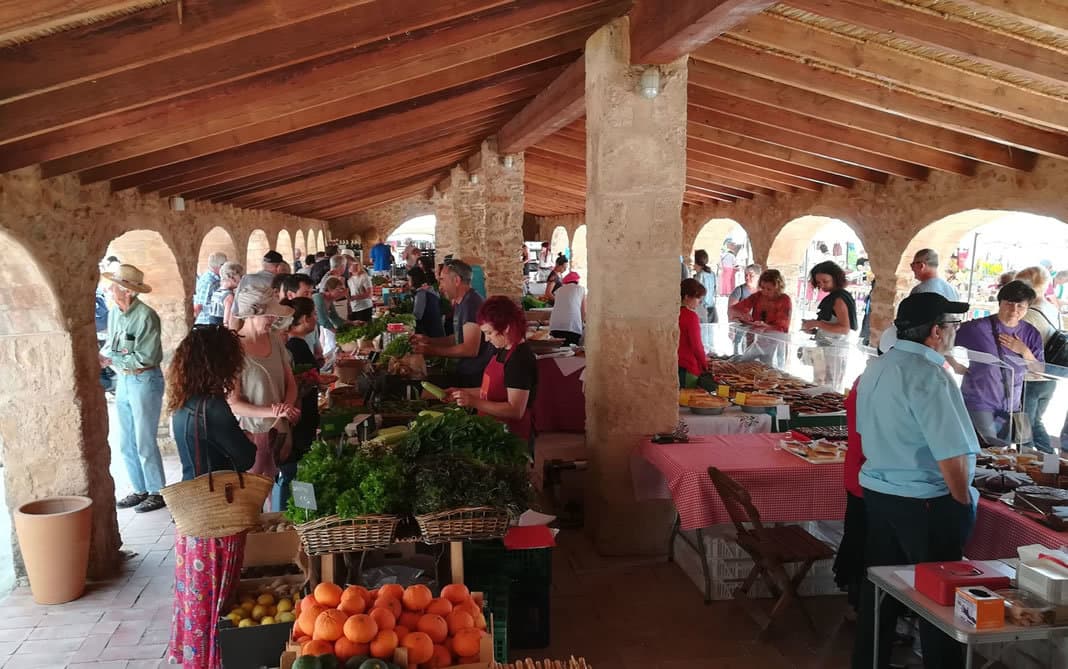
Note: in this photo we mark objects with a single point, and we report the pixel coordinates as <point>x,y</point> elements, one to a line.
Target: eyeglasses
<point>954,322</point>
<point>917,263</point>
<point>209,326</point>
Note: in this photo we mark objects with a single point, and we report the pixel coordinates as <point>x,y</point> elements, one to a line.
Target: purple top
<point>984,387</point>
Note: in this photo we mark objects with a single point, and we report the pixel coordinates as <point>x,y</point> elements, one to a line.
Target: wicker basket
<point>217,504</point>
<point>346,535</point>
<point>474,522</point>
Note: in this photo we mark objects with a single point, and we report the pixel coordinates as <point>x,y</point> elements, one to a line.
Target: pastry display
<point>1028,609</point>
<point>761,400</point>
<point>830,432</point>
<point>999,482</point>
<point>1040,499</point>
<point>706,401</point>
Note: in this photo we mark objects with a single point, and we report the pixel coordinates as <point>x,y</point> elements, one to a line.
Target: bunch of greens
<point>456,432</point>
<point>454,481</point>
<point>405,305</point>
<point>398,348</point>
<point>350,484</point>
<point>379,280</point>
<point>351,333</point>
<point>531,302</point>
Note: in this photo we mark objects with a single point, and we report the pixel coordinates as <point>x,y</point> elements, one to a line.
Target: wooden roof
<point>324,108</point>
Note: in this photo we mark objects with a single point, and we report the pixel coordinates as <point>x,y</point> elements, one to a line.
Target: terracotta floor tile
<point>143,652</point>
<point>8,647</point>
<point>49,646</point>
<point>18,634</point>
<point>93,645</point>
<point>43,660</point>
<point>113,664</point>
<point>75,631</point>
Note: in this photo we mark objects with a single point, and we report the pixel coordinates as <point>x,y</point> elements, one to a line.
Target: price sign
<point>304,495</point>
<point>723,391</point>
<point>782,411</point>
<point>739,398</point>
<point>1051,463</point>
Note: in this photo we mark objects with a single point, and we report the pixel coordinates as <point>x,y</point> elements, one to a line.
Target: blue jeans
<point>1036,397</point>
<point>992,431</point>
<point>139,400</point>
<point>281,491</point>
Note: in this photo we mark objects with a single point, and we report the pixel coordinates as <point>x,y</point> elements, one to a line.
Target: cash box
<point>940,580</point>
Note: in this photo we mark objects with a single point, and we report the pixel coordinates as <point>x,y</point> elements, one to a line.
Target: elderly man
<point>135,351</point>
<point>925,269</point>
<point>207,284</point>
<point>467,343</point>
<point>920,448</point>
<point>322,264</point>
<point>338,265</point>
<point>274,263</point>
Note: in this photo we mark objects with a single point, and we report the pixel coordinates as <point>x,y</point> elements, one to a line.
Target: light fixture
<point>473,179</point>
<point>508,161</point>
<point>649,85</point>
<point>178,203</point>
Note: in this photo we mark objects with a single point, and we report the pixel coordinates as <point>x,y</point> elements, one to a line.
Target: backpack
<point>1056,348</point>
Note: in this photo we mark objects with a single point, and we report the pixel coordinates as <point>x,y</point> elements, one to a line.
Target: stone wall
<point>53,418</point>
<point>378,223</point>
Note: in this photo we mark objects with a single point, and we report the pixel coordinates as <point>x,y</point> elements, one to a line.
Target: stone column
<point>500,238</point>
<point>636,168</point>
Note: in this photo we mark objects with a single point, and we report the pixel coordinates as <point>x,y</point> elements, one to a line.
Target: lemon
<point>285,605</point>
<point>247,622</point>
<point>267,620</point>
<point>286,617</point>
<point>248,606</point>
<point>259,611</point>
<point>272,610</point>
<point>236,618</point>
<point>266,599</point>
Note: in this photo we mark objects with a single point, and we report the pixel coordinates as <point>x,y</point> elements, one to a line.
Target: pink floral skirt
<point>206,574</point>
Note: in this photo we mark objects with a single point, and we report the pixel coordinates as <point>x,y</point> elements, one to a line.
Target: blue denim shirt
<point>910,416</point>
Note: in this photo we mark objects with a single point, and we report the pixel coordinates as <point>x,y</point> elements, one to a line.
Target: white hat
<point>254,299</point>
<point>128,277</point>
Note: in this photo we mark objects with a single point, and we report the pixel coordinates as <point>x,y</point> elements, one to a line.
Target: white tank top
<point>567,309</point>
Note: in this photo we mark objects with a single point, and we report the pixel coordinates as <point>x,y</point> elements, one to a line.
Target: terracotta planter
<point>53,535</point>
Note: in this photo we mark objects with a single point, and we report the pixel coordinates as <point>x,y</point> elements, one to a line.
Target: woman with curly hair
<point>206,571</point>
<point>833,327</point>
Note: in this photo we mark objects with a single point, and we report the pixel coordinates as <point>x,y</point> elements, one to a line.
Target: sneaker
<point>150,503</point>
<point>133,499</point>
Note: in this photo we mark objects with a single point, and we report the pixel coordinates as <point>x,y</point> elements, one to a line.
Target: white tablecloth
<point>731,421</point>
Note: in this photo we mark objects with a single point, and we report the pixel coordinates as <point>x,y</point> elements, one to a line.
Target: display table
<point>888,581</point>
<point>731,421</point>
<point>560,404</point>
<point>999,531</point>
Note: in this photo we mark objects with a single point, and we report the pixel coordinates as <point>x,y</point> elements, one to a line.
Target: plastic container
<point>1045,579</point>
<point>53,536</point>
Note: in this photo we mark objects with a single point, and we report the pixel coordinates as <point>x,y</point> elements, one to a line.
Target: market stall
<point>999,531</point>
<point>560,404</point>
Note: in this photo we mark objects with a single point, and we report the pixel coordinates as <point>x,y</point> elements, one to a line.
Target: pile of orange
<point>438,632</point>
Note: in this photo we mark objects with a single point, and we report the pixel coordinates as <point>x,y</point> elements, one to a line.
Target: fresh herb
<point>379,280</point>
<point>457,432</point>
<point>351,484</point>
<point>455,481</point>
<point>399,347</point>
<point>531,302</point>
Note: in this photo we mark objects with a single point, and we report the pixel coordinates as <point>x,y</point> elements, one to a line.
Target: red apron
<point>494,390</point>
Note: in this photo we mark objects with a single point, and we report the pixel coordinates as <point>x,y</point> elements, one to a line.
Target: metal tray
<point>707,411</point>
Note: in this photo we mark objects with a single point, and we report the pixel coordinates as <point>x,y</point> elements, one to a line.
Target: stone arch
<point>52,405</point>
<point>789,251</point>
<point>319,240</point>
<point>300,245</point>
<point>578,254</point>
<point>284,245</point>
<point>559,241</point>
<point>313,243</point>
<point>217,239</point>
<point>713,235</point>
<point>257,246</point>
<point>420,227</point>
<point>148,251</point>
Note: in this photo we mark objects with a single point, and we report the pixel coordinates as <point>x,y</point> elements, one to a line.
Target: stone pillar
<point>500,238</point>
<point>636,167</point>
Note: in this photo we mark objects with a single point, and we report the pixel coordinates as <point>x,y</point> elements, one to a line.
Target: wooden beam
<point>408,183</point>
<point>370,201</point>
<point>702,150</point>
<point>850,114</point>
<point>1028,59</point>
<point>896,69</point>
<point>21,21</point>
<point>664,30</point>
<point>715,182</point>
<point>1048,15</point>
<point>347,31</point>
<point>807,143</point>
<point>562,102</point>
<point>313,93</point>
<point>724,170</point>
<point>829,86</point>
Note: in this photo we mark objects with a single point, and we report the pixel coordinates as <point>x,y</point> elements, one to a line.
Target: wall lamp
<point>649,84</point>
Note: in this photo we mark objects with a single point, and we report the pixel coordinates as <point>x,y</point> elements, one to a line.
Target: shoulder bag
<point>1019,421</point>
<point>215,504</point>
<point>1056,349</point>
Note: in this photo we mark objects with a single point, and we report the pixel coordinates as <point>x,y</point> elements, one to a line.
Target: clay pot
<point>53,535</point>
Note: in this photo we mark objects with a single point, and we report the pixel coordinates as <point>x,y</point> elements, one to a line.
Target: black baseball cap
<point>273,257</point>
<point>925,308</point>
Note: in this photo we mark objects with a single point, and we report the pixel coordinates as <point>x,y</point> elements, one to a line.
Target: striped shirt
<point>207,284</point>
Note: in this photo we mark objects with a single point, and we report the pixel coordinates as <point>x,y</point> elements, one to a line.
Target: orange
<point>409,619</point>
<point>384,644</point>
<point>393,590</point>
<point>328,594</point>
<point>344,649</point>
<point>460,620</point>
<point>480,621</point>
<point>384,617</point>
<point>390,603</point>
<point>303,640</point>
<point>420,647</point>
<point>401,631</point>
<point>455,592</point>
<point>470,607</point>
<point>467,659</point>
<point>353,601</point>
<point>308,615</point>
<point>467,643</point>
<point>329,625</point>
<point>440,607</point>
<point>360,628</point>
<point>417,597</point>
<point>317,648</point>
<point>477,598</point>
<point>305,603</point>
<point>434,626</point>
<point>441,658</point>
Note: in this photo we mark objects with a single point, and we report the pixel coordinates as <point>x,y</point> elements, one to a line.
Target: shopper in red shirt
<point>692,358</point>
<point>849,563</point>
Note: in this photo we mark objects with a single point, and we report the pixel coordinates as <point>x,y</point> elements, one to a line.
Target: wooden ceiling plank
<point>538,154</point>
<point>371,201</point>
<point>663,30</point>
<point>896,68</point>
<point>562,101</point>
<point>700,185</point>
<point>726,174</point>
<point>702,160</point>
<point>312,93</point>
<point>186,73</point>
<point>994,49</point>
<point>1049,15</point>
<point>21,21</point>
<point>710,150</point>
<point>709,182</point>
<point>776,152</point>
<point>851,115</point>
<point>809,143</point>
<point>408,183</point>
<point>906,106</point>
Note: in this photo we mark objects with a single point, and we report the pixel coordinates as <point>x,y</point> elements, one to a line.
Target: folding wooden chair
<point>772,548</point>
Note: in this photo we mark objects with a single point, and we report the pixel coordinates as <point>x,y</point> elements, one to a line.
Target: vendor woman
<point>511,375</point>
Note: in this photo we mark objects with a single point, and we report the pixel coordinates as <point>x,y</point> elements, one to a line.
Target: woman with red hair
<point>511,376</point>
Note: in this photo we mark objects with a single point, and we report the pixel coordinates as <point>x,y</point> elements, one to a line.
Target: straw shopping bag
<point>216,504</point>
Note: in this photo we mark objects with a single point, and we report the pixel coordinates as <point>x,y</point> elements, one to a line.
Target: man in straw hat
<point>135,351</point>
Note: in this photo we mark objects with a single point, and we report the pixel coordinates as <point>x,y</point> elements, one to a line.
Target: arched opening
<point>419,231</point>
<point>313,243</point>
<point>300,247</point>
<point>284,245</point>
<point>258,245</point>
<point>578,254</point>
<point>217,239</point>
<point>559,242</point>
<point>729,251</point>
<point>319,240</point>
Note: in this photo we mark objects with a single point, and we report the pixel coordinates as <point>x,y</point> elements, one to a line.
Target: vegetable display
<point>456,432</point>
<point>399,347</point>
<point>455,481</point>
<point>354,483</point>
<point>531,302</point>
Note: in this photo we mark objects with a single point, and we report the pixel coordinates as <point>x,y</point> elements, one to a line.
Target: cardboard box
<point>979,607</point>
<point>261,645</point>
<point>263,549</point>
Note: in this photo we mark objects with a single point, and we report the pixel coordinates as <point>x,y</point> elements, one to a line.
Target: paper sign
<point>1051,463</point>
<point>739,398</point>
<point>723,391</point>
<point>782,411</point>
<point>304,495</point>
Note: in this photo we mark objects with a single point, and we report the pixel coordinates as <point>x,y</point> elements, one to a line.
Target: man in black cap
<point>920,448</point>
<point>274,263</point>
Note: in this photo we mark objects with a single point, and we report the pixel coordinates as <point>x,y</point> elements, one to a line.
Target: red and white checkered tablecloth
<point>999,531</point>
<point>784,488</point>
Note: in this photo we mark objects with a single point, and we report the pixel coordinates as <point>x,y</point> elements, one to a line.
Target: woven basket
<point>346,535</point>
<point>217,504</point>
<point>475,522</point>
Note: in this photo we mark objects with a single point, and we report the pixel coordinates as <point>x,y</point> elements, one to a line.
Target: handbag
<point>1056,349</point>
<point>216,504</point>
<point>1019,421</point>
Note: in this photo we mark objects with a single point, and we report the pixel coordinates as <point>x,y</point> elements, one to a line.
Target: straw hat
<point>129,277</point>
<point>254,299</point>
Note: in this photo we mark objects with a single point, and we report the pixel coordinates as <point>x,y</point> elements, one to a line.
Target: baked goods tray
<point>801,450</point>
<point>1051,521</point>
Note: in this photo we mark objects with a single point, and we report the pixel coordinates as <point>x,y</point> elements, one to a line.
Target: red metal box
<point>940,580</point>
